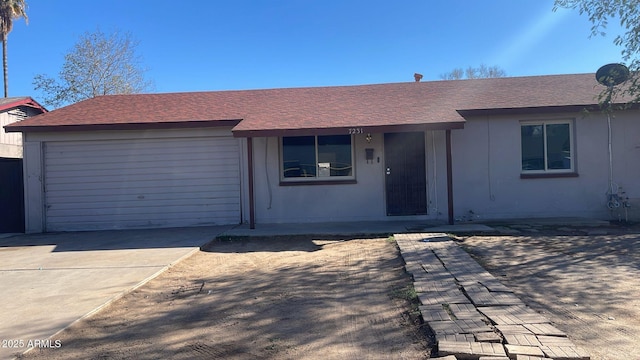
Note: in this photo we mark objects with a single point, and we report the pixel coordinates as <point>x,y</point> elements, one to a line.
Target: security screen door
<point>406,184</point>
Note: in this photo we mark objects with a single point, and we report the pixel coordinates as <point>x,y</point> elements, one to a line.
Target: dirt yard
<point>272,298</point>
<point>588,286</point>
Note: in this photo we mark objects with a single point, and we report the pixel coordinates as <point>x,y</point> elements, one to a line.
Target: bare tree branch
<point>483,71</point>
<point>99,64</point>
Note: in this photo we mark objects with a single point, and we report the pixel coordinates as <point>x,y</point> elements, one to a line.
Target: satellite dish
<point>612,74</point>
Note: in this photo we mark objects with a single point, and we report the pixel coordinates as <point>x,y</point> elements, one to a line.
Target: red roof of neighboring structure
<point>410,105</point>
<point>14,102</point>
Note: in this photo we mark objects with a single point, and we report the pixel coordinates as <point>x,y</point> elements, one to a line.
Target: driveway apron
<point>48,281</point>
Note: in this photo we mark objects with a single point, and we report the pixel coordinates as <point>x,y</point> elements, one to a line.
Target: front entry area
<point>405,180</point>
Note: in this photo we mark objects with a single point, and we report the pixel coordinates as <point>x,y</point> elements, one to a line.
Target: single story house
<point>497,148</point>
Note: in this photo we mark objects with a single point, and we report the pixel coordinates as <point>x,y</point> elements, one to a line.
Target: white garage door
<point>142,183</point>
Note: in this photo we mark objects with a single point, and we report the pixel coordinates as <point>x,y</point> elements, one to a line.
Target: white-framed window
<point>316,157</point>
<point>547,147</point>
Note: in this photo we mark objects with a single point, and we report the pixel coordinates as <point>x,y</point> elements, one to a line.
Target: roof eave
<point>17,127</point>
<point>538,110</point>
<point>445,125</point>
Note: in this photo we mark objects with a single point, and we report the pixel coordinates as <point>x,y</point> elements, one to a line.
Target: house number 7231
<point>353,131</point>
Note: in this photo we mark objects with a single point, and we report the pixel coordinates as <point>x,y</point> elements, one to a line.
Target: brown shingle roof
<point>436,104</point>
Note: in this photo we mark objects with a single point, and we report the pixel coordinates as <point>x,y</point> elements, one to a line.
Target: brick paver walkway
<point>473,315</point>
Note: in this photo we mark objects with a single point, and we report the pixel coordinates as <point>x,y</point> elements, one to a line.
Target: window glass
<point>299,156</point>
<point>334,153</point>
<point>546,146</point>
<point>317,156</point>
<point>532,147</point>
<point>558,146</point>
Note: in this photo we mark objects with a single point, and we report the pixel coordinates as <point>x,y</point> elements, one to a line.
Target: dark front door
<point>406,183</point>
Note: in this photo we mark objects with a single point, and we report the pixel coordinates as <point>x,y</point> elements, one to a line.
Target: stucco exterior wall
<point>487,168</point>
<point>626,159</point>
<point>363,201</point>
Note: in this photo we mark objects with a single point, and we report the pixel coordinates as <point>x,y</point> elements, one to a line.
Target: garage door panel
<point>116,156</point>
<point>158,199</point>
<point>125,209</point>
<point>142,183</point>
<point>80,164</point>
<point>143,146</point>
<point>140,174</point>
<point>61,193</point>
<point>135,221</point>
<point>129,222</point>
<point>137,181</point>
<point>131,155</point>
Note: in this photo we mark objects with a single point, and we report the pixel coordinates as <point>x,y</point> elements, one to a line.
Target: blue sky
<point>199,45</point>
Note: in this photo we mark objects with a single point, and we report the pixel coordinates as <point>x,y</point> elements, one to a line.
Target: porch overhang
<point>341,130</point>
<point>446,126</point>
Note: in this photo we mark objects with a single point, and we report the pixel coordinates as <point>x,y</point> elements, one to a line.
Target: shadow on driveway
<point>118,239</point>
<point>51,280</point>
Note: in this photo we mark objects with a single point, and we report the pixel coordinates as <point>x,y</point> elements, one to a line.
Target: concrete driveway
<point>48,281</point>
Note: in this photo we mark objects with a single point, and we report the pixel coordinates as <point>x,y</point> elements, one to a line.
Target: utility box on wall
<point>369,155</point>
